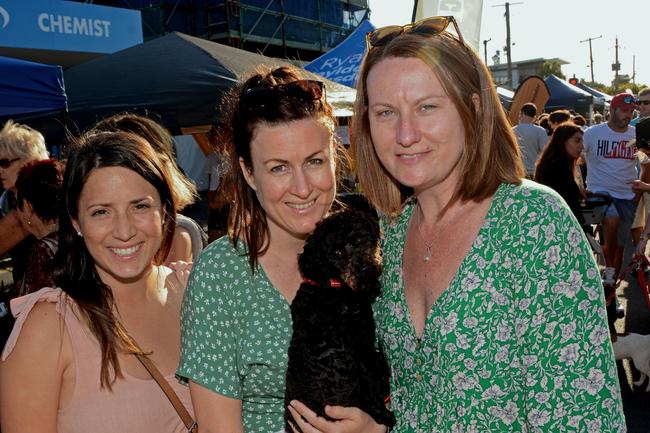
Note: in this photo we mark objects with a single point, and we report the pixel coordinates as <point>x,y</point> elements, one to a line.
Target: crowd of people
<point>491,315</point>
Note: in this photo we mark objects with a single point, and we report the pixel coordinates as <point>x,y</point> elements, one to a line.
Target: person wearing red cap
<point>611,168</point>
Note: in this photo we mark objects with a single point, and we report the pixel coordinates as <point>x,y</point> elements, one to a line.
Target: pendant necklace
<point>427,245</point>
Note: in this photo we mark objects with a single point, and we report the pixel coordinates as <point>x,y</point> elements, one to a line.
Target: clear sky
<point>554,28</point>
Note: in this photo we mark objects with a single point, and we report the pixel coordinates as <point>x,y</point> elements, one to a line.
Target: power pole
<point>508,44</point>
<point>485,42</point>
<point>634,70</point>
<point>591,56</point>
<point>616,66</point>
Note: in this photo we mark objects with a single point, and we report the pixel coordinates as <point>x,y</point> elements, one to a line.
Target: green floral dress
<point>235,334</point>
<point>518,342</point>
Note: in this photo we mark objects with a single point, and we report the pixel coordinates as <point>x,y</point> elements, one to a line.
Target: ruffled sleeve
<point>20,308</point>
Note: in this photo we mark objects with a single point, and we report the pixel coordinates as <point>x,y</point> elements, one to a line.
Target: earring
<point>79,233</point>
<point>29,222</point>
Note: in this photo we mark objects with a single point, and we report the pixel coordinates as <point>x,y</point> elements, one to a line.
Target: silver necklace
<point>427,245</point>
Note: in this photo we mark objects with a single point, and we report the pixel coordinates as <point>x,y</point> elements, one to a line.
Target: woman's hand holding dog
<point>348,420</point>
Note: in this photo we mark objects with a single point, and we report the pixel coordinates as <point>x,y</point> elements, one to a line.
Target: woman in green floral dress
<point>235,320</point>
<point>492,313</point>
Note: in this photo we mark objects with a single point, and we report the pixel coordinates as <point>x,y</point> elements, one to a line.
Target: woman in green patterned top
<point>492,313</point>
<point>235,319</point>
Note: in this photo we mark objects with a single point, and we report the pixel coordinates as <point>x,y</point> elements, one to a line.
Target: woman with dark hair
<point>73,361</point>
<point>236,320</point>
<point>556,166</point>
<point>492,312</point>
<point>38,198</point>
<point>189,238</point>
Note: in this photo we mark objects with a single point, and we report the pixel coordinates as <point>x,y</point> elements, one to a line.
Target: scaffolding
<point>280,28</point>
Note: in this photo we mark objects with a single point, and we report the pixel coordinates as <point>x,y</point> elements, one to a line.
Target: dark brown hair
<point>559,116</point>
<point>161,140</point>
<point>247,218</point>
<point>555,155</point>
<point>75,272</point>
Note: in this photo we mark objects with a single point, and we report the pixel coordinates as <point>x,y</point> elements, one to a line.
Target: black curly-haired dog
<point>333,359</point>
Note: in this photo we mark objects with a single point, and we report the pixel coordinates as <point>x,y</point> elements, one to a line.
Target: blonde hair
<point>490,155</point>
<point>21,141</point>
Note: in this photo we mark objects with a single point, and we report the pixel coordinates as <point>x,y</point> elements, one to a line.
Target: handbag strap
<point>185,416</point>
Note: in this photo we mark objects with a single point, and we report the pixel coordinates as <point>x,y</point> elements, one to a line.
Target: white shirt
<point>611,163</point>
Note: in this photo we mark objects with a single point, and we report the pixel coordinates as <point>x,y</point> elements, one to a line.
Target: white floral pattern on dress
<point>235,334</point>
<point>518,342</point>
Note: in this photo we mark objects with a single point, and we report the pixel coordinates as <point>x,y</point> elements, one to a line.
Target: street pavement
<point>636,402</point>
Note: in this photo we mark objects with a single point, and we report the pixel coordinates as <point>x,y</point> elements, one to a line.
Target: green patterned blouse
<point>235,334</point>
<point>518,342</point>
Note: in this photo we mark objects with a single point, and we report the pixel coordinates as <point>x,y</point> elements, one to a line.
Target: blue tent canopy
<point>564,95</point>
<point>28,87</point>
<point>598,95</point>
<point>341,63</point>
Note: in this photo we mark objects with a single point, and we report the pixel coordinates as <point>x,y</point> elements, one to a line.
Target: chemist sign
<point>67,26</point>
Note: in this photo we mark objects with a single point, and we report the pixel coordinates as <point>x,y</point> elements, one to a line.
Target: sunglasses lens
<point>431,26</point>
<point>383,35</point>
<point>4,163</point>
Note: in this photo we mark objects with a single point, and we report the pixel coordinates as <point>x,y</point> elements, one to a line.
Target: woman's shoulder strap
<point>22,306</point>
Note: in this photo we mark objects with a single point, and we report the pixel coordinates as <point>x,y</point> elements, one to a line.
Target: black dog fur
<point>333,359</point>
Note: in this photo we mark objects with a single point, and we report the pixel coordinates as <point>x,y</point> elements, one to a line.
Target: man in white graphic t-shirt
<point>611,169</point>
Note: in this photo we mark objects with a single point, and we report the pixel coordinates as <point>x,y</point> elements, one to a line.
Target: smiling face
<point>293,175</point>
<point>120,217</point>
<point>574,145</point>
<point>416,129</point>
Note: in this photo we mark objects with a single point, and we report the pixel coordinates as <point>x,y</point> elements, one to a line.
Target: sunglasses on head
<point>428,26</point>
<point>5,163</point>
<point>642,102</point>
<point>304,91</point>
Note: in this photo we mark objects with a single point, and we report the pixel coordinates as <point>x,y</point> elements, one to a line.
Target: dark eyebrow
<point>134,201</point>
<point>283,161</point>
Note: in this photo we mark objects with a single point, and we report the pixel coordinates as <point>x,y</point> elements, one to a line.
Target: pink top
<point>134,405</point>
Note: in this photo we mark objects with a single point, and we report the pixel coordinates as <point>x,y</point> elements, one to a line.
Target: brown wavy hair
<point>490,155</point>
